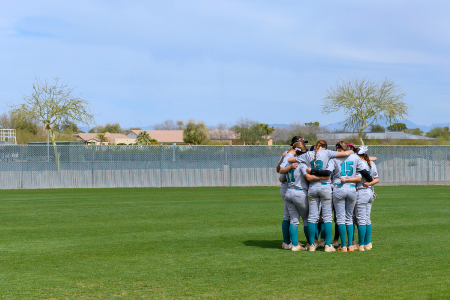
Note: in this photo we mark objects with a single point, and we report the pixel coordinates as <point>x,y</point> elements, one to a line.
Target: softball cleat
<point>321,244</point>
<point>286,246</point>
<point>336,244</point>
<point>342,249</point>
<point>329,248</point>
<point>312,248</point>
<point>368,246</point>
<point>298,248</point>
<point>360,248</point>
<point>350,249</point>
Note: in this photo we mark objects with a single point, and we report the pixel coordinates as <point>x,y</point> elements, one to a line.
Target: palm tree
<point>101,136</point>
<point>143,138</point>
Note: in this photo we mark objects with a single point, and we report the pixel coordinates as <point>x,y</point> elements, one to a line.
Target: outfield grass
<point>212,243</point>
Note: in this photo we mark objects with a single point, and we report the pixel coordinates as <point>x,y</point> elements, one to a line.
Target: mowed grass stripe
<point>211,243</point>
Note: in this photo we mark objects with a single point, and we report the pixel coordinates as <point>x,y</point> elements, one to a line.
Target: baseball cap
<point>296,139</point>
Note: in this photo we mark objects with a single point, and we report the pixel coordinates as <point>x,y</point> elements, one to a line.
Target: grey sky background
<point>142,62</point>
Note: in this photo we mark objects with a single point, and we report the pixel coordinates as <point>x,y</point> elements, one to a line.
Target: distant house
<point>113,138</point>
<point>161,136</point>
<point>388,135</point>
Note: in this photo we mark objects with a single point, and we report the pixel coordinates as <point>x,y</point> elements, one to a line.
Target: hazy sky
<point>142,62</point>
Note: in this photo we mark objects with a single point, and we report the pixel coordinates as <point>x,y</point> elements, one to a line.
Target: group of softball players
<point>315,183</point>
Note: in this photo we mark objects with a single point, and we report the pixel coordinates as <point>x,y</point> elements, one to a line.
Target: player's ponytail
<point>364,156</point>
<point>319,144</point>
<point>300,148</point>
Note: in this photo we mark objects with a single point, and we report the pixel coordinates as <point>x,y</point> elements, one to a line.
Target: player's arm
<point>344,153</point>
<point>366,175</point>
<point>373,182</point>
<point>281,160</point>
<point>372,158</point>
<point>286,169</point>
<point>314,178</point>
<point>351,180</point>
<point>292,160</point>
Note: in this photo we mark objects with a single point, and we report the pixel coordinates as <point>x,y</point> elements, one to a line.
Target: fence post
<point>230,160</point>
<point>92,172</point>
<point>160,165</point>
<point>428,167</point>
<point>21,173</point>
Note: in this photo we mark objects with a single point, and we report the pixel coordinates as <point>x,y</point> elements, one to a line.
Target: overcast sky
<point>142,62</point>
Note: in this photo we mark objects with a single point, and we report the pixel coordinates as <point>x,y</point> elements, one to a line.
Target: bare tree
<point>365,102</point>
<point>169,125</point>
<point>51,104</point>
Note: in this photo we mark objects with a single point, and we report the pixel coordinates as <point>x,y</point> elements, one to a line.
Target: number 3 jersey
<point>321,162</point>
<point>346,167</point>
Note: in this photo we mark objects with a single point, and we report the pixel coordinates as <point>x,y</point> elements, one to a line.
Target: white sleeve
<point>301,159</point>
<point>331,165</point>
<point>285,161</point>
<point>331,154</point>
<point>373,170</point>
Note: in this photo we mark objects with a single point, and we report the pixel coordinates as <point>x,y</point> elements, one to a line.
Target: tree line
<point>54,108</point>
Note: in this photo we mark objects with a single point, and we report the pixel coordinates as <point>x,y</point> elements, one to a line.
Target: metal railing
<point>29,167</point>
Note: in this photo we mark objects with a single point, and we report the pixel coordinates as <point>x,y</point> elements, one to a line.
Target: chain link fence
<point>31,167</point>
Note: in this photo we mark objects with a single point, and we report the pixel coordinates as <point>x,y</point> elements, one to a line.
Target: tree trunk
<point>52,135</point>
<point>360,137</point>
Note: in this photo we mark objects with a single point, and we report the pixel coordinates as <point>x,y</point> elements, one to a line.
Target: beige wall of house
<point>123,141</point>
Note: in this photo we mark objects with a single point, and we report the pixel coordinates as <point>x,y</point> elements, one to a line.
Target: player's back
<point>296,177</point>
<point>345,167</point>
<point>321,160</point>
<point>359,185</point>
<point>285,163</point>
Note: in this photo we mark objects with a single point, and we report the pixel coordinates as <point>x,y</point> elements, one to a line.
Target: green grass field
<point>212,243</point>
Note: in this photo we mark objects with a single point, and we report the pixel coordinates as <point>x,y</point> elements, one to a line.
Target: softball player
<point>319,192</point>
<point>369,184</point>
<point>296,196</point>
<point>364,202</point>
<point>283,188</point>
<point>346,173</point>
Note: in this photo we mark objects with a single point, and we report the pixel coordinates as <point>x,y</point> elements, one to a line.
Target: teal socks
<point>350,235</point>
<point>336,232</point>
<point>361,234</point>
<point>341,229</point>
<point>368,235</point>
<point>305,231</point>
<point>311,233</point>
<point>328,230</point>
<point>285,230</point>
<point>320,233</point>
<point>293,232</point>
